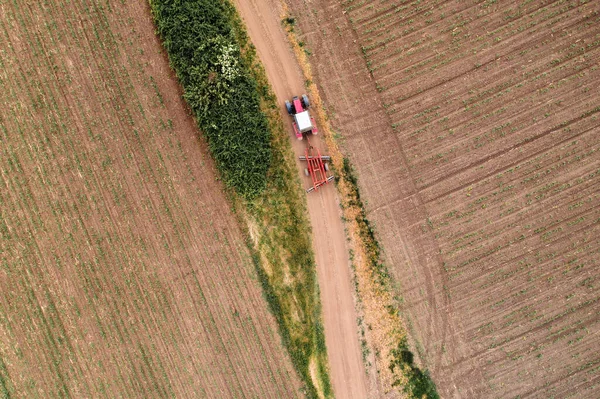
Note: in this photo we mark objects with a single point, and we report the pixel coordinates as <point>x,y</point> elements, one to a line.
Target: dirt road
<point>262,18</point>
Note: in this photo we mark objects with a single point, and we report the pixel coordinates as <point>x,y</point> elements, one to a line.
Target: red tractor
<point>303,122</point>
<point>317,164</point>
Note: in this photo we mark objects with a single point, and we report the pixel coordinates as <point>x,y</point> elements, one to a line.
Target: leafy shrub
<point>420,384</point>
<point>199,38</point>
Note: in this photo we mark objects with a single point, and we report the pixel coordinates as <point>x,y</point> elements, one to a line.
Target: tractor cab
<point>303,122</point>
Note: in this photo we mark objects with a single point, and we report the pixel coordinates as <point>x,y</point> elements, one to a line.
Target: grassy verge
<point>401,360</point>
<point>386,335</point>
<point>275,214</point>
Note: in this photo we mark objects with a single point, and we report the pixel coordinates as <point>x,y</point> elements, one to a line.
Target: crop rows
<point>122,270</point>
<point>497,116</point>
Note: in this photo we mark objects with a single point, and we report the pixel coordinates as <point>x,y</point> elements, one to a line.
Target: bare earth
<point>473,127</point>
<point>263,21</point>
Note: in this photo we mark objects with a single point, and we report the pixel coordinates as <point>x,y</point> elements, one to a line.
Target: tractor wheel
<point>306,172</point>
<point>305,102</point>
<point>289,108</point>
<point>326,165</point>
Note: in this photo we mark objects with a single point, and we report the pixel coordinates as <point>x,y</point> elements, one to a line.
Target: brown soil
<point>263,20</point>
<point>123,272</point>
<point>473,129</point>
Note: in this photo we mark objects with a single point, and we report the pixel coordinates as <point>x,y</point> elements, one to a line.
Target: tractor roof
<point>303,121</point>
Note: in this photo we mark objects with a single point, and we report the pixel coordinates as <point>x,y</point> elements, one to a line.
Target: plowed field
<point>474,128</point>
<point>123,272</point>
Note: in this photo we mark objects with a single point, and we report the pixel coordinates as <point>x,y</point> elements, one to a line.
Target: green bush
<point>199,38</point>
<point>420,384</point>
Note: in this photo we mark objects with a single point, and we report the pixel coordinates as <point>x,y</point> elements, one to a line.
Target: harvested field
<point>123,272</point>
<point>474,130</point>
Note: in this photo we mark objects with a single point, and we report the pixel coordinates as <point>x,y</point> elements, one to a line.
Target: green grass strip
<point>4,390</point>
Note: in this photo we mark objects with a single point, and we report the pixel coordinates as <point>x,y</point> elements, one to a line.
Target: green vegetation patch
<point>199,38</point>
<point>227,88</point>
<point>4,381</point>
<point>420,383</point>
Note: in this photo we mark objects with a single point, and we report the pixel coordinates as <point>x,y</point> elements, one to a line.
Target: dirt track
<point>349,380</point>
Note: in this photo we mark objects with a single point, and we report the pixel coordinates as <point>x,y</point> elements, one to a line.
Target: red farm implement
<point>317,167</point>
